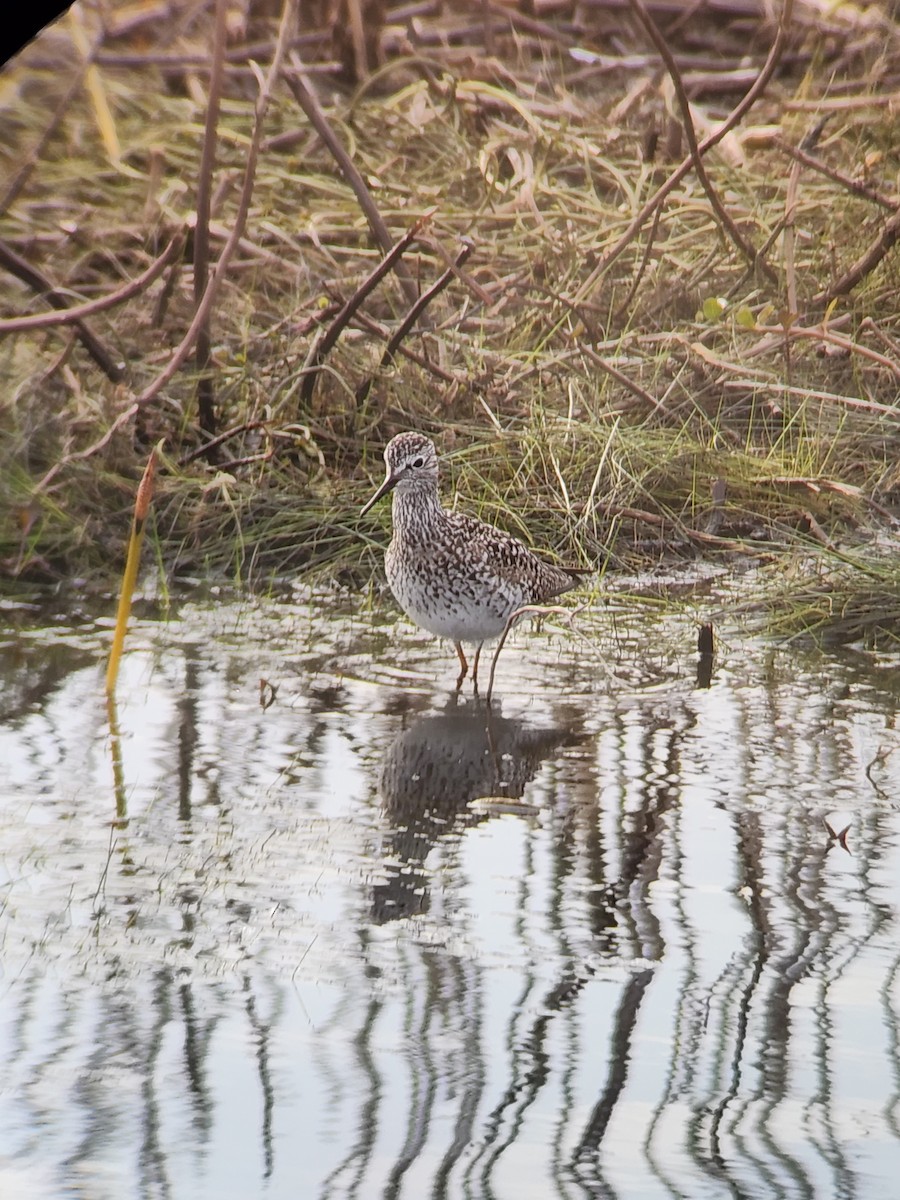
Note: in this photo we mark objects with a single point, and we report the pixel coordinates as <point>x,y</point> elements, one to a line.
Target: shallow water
<point>375,940</point>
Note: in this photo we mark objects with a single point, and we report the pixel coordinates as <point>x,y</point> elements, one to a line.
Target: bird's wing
<point>491,551</point>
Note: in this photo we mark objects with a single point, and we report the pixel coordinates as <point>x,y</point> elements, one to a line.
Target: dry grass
<point>607,389</point>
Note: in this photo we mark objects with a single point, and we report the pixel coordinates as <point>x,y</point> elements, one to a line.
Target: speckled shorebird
<point>454,575</point>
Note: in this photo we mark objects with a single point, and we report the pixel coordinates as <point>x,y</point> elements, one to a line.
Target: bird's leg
<point>463,665</point>
<point>475,669</point>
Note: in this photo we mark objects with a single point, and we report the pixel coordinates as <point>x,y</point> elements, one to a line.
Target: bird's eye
<point>418,462</point>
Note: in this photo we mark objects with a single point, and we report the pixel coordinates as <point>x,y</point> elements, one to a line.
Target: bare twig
<point>725,218</point>
<point>316,117</point>
<point>856,186</point>
<point>888,411</point>
<point>70,316</point>
<point>481,294</point>
<point>639,274</point>
<point>320,349</point>
<point>865,264</point>
<point>206,411</point>
<point>40,283</point>
<point>166,292</point>
<point>365,322</point>
<point>787,242</point>
<point>425,299</point>
<point>288,22</point>
<point>22,175</point>
<point>891,343</point>
<point>255,51</point>
<point>620,377</point>
<point>521,21</point>
<point>821,333</point>
<point>262,104</point>
<point>737,114</point>
<point>225,436</point>
<point>412,316</point>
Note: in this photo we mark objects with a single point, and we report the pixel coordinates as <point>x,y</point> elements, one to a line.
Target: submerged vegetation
<point>664,320</point>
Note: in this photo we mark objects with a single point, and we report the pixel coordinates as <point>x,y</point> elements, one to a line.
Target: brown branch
<point>166,292</point>
<point>262,104</point>
<point>70,316</point>
<point>620,377</point>
<point>288,21</point>
<point>687,121</point>
<point>21,177</point>
<point>821,333</point>
<point>320,348</point>
<point>737,114</point>
<point>891,343</point>
<point>526,24</point>
<point>623,308</point>
<point>255,51</point>
<point>864,190</point>
<point>365,322</point>
<point>206,409</point>
<point>425,299</point>
<point>865,264</point>
<point>889,411</point>
<point>316,117</point>
<point>412,316</point>
<point>788,241</point>
<point>225,436</point>
<point>39,282</point>
<point>481,294</point>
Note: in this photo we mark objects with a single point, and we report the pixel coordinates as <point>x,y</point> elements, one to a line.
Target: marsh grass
<point>614,411</point>
<point>829,595</point>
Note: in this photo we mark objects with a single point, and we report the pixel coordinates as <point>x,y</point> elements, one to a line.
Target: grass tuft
<point>614,400</point>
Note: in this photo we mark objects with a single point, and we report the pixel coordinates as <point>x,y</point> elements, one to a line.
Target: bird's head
<point>410,466</point>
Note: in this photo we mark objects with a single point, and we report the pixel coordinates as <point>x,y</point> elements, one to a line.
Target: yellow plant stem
<point>141,509</point>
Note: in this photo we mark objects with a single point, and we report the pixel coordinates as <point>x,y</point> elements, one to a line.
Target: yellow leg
<point>463,665</point>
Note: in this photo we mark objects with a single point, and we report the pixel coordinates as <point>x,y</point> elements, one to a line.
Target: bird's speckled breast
<point>449,604</point>
<point>461,579</point>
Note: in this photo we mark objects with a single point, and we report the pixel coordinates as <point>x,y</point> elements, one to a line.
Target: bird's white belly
<point>468,622</point>
<point>463,616</point>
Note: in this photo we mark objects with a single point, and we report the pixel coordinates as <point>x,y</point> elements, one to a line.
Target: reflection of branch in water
<point>530,1072</point>
<point>433,771</point>
<point>884,753</point>
<point>800,943</point>
<point>350,1173</point>
<point>425,1070</point>
<point>31,681</point>
<point>468,998</point>
<point>889,993</point>
<point>153,1166</point>
<point>642,834</point>
<point>262,1036</point>
<point>115,749</point>
<point>197,1040</point>
<point>620,1056</point>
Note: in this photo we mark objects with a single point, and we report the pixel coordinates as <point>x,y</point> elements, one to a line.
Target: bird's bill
<point>390,481</point>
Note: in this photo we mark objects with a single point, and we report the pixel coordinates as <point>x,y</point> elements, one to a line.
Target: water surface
<point>377,940</point>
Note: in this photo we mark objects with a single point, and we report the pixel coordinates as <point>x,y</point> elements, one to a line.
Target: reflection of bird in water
<point>431,773</point>
<point>453,575</point>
